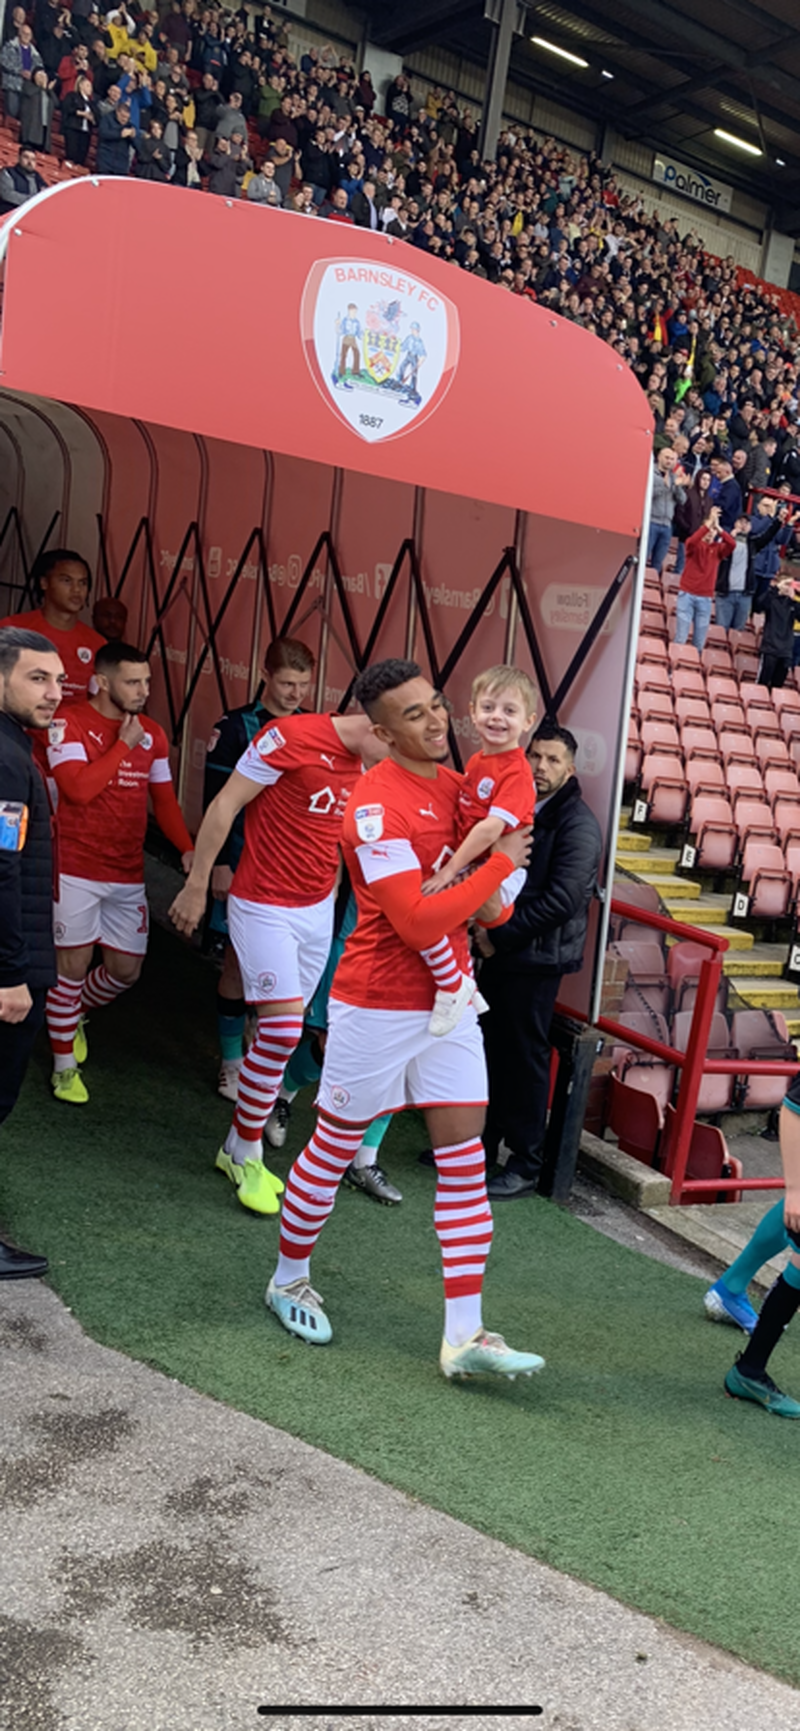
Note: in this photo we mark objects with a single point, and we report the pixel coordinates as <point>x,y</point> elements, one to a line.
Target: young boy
<point>497,795</point>
<point>782,609</point>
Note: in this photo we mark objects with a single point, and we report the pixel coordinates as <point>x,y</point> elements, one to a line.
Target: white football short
<point>281,951</point>
<point>382,1060</point>
<point>89,912</point>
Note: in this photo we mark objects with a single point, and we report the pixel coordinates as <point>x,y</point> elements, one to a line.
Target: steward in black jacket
<point>543,940</point>
<point>30,670</point>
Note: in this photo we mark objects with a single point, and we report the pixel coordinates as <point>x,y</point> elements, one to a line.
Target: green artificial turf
<point>623,1463</point>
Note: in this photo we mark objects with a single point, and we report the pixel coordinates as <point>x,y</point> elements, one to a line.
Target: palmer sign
<point>676,177</point>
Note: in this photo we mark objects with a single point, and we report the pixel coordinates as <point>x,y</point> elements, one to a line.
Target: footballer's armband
<point>13,825</point>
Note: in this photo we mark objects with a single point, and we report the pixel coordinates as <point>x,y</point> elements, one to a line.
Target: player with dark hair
<point>286,681</point>
<point>106,756</point>
<point>399,827</point>
<point>295,779</point>
<point>61,582</point>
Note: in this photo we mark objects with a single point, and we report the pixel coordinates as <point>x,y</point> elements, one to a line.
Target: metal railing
<point>694,1063</point>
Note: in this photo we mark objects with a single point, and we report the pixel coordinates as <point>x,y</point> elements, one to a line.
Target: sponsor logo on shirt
<point>56,732</point>
<point>369,822</point>
<point>84,654</point>
<point>270,741</point>
<point>485,787</point>
<point>427,811</point>
<point>322,801</point>
<point>330,761</point>
<point>97,737</point>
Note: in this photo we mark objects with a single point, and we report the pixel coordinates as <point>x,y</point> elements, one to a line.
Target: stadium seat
<point>684,655</point>
<point>651,648</point>
<point>641,1069</point>
<point>716,840</point>
<point>759,1035</point>
<point>766,880</point>
<point>699,741</point>
<point>693,709</point>
<point>745,780</point>
<point>784,698</point>
<point>660,735</point>
<point>717,660</point>
<point>667,791</point>
<point>753,820</point>
<point>637,895</point>
<point>726,714</point>
<point>645,961</point>
<point>636,1118</point>
<point>736,746</point>
<point>786,818</point>
<point>709,1155</point>
<point>688,682</point>
<point>722,688</point>
<point>705,775</point>
<point>781,784</point>
<point>769,750</point>
<point>716,1092</point>
<point>653,676</point>
<point>652,704</point>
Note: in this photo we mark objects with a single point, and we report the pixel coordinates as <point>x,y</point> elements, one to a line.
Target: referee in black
<point>31,675</point>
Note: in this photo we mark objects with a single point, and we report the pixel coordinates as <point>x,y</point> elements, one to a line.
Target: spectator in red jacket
<point>704,549</point>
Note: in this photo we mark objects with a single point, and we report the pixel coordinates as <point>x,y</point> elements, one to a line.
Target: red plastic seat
<point>656,734</point>
<point>725,714</point>
<point>781,784</point>
<point>717,660</point>
<point>784,698</point>
<point>716,1092</point>
<point>688,682</point>
<point>763,723</point>
<point>753,818</point>
<point>769,884</point>
<point>758,1035</point>
<point>735,746</point>
<point>699,741</point>
<point>645,962</point>
<point>769,750</point>
<point>722,688</point>
<point>789,723</point>
<point>652,649</point>
<point>744,779</point>
<point>654,703</point>
<point>704,774</point>
<point>684,655</point>
<point>786,818</point>
<point>663,781</point>
<point>694,710</point>
<point>709,1156</point>
<point>716,840</point>
<point>653,676</point>
<point>636,1117</point>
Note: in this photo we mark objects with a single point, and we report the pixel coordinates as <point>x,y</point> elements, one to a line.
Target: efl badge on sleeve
<point>270,741</point>
<point>382,345</point>
<point>369,822</point>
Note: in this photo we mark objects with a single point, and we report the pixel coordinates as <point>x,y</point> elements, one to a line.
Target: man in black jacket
<point>526,959</point>
<point>31,675</point>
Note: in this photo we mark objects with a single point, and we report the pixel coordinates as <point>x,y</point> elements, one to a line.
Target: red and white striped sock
<point>259,1080</point>
<point>463,1221</point>
<point>311,1192</point>
<point>100,987</point>
<point>443,965</point>
<point>63,1010</point>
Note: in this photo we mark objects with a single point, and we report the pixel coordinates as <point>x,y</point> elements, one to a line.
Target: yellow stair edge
<point>634,841</point>
<point>696,916</point>
<point>681,888</point>
<point>766,997</point>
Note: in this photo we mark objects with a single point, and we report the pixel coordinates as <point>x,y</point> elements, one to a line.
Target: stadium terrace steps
<point>756,968</point>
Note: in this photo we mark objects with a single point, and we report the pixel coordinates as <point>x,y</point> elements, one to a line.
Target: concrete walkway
<point>171,1565</point>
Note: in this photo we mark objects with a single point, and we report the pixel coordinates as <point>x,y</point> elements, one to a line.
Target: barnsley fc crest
<point>382,345</point>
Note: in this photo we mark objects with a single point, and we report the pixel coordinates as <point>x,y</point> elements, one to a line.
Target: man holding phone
<point>31,680</point>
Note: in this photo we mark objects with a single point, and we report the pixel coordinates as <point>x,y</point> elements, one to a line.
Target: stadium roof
<point>678,71</point>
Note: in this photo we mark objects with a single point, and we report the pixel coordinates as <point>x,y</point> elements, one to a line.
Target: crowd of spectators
<point>198,97</point>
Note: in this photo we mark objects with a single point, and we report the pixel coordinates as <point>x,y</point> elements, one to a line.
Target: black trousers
<point>772,671</point>
<point>16,1044</point>
<point>516,1036</point>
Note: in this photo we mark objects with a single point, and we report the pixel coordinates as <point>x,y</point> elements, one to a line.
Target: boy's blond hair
<point>506,679</point>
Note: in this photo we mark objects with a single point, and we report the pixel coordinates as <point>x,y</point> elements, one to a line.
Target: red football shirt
<point>77,649</point>
<point>292,831</point>
<point>104,840</point>
<point>496,784</point>
<point>395,822</point>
